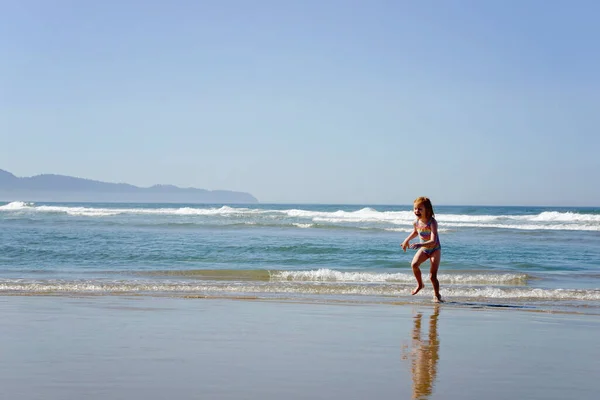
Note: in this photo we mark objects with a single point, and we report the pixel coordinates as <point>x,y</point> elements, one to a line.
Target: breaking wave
<point>364,218</point>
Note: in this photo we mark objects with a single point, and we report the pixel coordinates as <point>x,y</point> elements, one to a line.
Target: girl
<point>426,228</point>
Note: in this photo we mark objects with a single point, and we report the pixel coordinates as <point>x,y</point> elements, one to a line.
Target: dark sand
<point>175,348</point>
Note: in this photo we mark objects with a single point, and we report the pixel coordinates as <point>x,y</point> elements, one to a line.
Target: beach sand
<point>192,348</point>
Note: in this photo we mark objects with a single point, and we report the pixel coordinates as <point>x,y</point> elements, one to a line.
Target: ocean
<point>540,258</point>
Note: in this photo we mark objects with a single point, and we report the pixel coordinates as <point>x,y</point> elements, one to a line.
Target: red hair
<point>427,204</point>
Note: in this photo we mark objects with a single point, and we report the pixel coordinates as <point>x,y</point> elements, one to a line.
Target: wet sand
<point>155,348</point>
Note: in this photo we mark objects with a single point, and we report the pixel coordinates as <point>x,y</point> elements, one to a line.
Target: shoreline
<point>417,301</point>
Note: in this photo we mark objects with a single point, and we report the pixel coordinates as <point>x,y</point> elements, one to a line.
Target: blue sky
<point>329,101</point>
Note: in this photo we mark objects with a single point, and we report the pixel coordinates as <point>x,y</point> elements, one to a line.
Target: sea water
<point>524,257</point>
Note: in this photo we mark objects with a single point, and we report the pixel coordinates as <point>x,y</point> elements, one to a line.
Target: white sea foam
<point>102,212</point>
<point>487,293</point>
<point>552,216</point>
<point>329,275</point>
<point>407,229</point>
<point>531,227</point>
<point>79,211</point>
<point>16,205</point>
<point>529,293</point>
<point>364,215</point>
<point>303,225</point>
<point>366,218</point>
<point>547,220</point>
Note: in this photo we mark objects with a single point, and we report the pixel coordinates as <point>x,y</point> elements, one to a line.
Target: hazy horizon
<point>309,102</point>
<point>107,199</point>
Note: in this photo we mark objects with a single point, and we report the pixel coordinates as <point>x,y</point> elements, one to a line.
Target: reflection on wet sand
<point>424,355</point>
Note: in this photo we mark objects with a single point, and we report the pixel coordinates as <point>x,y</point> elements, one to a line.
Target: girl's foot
<point>417,289</point>
<point>437,299</point>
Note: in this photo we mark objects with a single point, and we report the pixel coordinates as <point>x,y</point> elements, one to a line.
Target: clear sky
<point>317,101</point>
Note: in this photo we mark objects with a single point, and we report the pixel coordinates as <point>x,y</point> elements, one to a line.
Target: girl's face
<point>420,211</point>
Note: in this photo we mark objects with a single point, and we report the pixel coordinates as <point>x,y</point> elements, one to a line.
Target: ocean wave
<point>364,218</point>
<point>290,288</point>
<point>16,205</point>
<point>329,275</point>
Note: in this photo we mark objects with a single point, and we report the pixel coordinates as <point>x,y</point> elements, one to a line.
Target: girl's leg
<point>417,260</point>
<point>435,264</point>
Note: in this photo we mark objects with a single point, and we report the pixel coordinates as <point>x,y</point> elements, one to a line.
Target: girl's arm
<point>409,237</point>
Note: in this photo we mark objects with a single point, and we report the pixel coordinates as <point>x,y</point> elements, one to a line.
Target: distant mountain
<point>50,187</point>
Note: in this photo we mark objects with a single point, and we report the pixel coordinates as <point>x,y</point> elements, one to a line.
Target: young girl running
<point>429,247</point>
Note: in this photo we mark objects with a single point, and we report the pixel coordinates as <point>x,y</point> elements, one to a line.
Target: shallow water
<point>547,258</point>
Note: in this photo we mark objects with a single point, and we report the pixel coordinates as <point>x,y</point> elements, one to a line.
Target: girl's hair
<point>427,203</point>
